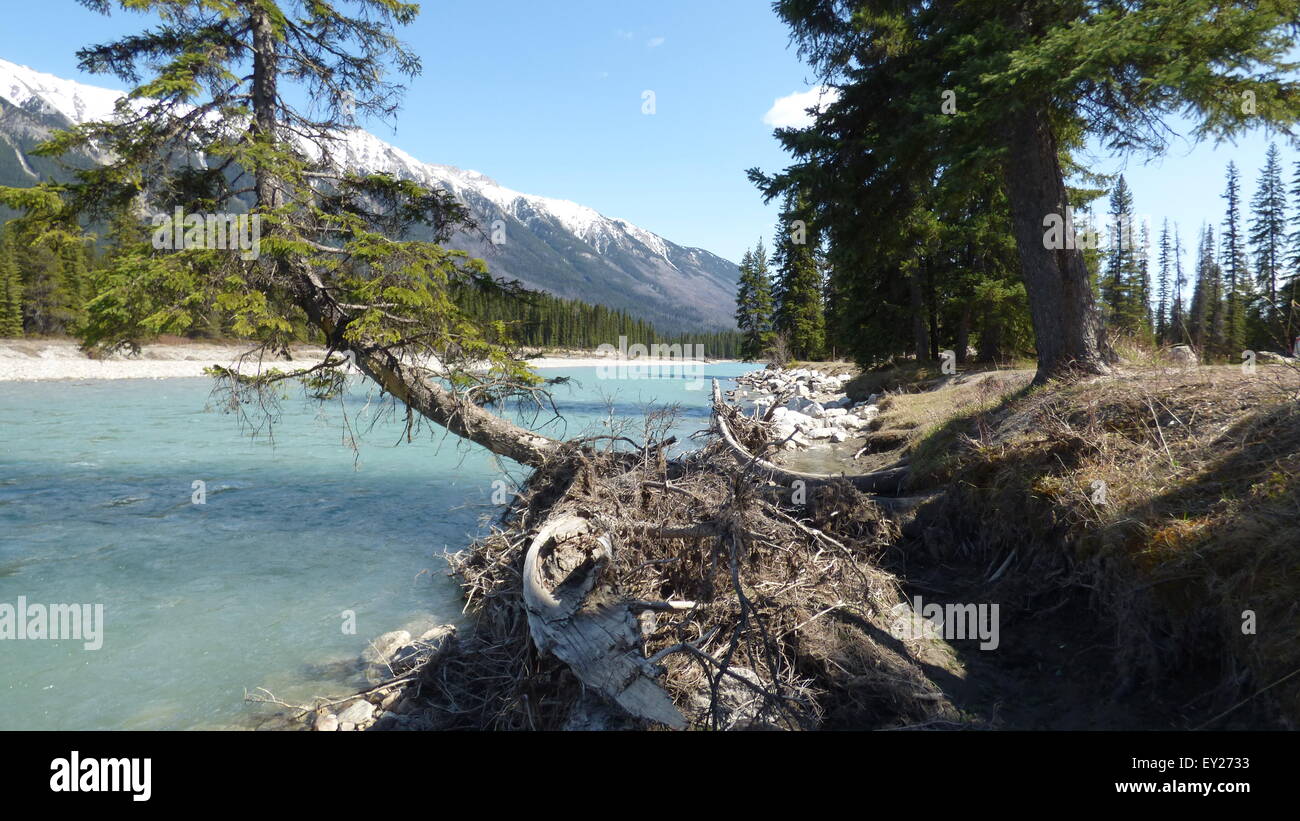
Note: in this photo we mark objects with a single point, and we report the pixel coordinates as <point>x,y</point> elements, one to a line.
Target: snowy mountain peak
<point>34,90</point>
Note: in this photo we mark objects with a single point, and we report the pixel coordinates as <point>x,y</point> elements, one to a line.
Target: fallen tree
<point>623,590</point>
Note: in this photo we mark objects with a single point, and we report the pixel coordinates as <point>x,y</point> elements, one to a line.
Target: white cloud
<point>654,42</point>
<point>626,35</point>
<point>790,111</point>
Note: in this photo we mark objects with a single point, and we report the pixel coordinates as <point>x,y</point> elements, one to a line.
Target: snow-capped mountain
<point>550,244</point>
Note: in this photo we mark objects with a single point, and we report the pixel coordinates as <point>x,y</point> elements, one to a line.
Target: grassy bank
<point>1169,498</point>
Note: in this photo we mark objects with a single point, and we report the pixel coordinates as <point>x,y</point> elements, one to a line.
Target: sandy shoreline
<point>42,360</point>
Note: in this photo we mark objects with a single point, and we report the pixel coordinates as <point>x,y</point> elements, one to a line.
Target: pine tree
<point>1205,320</point>
<point>48,307</point>
<point>1142,308</point>
<point>1177,314</point>
<point>1031,80</point>
<point>263,88</point>
<point>1268,238</point>
<point>1268,233</point>
<point>754,304</point>
<point>1120,254</point>
<point>1122,287</point>
<point>1162,286</point>
<point>799,313</point>
<point>11,289</point>
<point>1234,267</point>
<point>1289,288</point>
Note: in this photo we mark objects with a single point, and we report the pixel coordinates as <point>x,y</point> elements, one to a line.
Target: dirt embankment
<point>1140,532</point>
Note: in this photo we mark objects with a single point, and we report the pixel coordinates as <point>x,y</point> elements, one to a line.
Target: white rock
<point>797,419</point>
<point>839,436</point>
<point>1182,355</point>
<point>326,722</point>
<point>356,712</point>
<point>382,648</point>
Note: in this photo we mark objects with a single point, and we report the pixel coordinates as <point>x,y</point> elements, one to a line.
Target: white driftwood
<point>887,482</point>
<point>600,641</point>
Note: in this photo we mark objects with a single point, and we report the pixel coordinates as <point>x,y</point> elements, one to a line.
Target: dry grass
<point>910,421</point>
<point>1173,495</point>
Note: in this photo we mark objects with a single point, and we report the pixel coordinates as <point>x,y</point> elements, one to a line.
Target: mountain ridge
<point>551,244</point>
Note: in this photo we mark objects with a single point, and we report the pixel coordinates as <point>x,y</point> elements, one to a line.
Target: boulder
<point>428,648</point>
<point>378,656</point>
<point>383,648</point>
<point>1182,356</point>
<point>798,420</point>
<point>357,712</point>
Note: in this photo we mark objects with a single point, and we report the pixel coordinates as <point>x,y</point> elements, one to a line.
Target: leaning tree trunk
<point>1068,330</point>
<point>416,387</point>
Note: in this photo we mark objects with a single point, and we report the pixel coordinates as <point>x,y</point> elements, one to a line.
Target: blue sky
<point>546,98</point>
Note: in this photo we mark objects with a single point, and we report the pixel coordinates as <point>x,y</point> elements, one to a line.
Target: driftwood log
<point>599,640</point>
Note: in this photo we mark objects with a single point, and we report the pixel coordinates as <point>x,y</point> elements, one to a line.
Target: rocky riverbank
<point>393,664</point>
<point>807,408</point>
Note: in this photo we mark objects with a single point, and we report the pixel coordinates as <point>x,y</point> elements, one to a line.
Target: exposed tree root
<point>623,589</point>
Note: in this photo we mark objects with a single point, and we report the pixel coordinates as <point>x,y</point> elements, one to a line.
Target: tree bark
<point>266,72</point>
<point>1068,330</point>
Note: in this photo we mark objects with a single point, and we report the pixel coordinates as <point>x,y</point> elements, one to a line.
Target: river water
<point>298,536</point>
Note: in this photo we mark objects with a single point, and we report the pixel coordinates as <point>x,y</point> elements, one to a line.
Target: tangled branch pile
<point>625,589</point>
